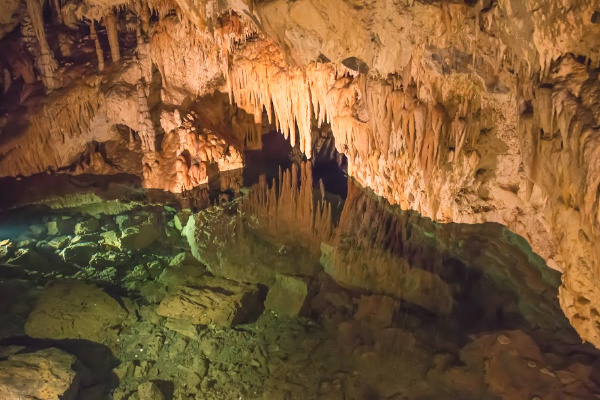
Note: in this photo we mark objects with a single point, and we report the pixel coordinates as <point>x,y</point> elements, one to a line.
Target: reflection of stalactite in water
<point>383,249</point>
<point>289,210</point>
<point>374,250</point>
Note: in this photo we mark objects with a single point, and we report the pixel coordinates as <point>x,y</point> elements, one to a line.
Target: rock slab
<point>214,301</point>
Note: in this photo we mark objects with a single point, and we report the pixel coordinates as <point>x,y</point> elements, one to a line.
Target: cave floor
<point>115,287</point>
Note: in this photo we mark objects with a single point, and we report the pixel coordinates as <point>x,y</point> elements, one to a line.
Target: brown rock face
<point>465,112</point>
<point>44,374</point>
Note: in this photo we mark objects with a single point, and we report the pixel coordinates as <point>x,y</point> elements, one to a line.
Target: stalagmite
<point>46,62</point>
<point>110,23</point>
<point>99,52</point>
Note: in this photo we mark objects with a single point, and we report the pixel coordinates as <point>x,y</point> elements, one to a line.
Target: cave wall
<point>468,112</point>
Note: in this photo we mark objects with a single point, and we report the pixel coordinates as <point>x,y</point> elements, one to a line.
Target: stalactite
<point>46,62</point>
<point>99,52</point>
<point>57,9</point>
<point>147,132</point>
<point>110,23</point>
<point>143,12</point>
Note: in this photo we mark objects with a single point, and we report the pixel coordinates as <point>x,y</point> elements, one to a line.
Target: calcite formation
<point>468,112</point>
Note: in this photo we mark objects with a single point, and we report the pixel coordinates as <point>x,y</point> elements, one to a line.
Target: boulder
<point>59,242</point>
<point>123,221</point>
<point>109,259</point>
<point>287,297</point>
<point>72,309</point>
<point>234,252</point>
<point>65,225</point>
<point>52,228</point>
<point>185,328</point>
<point>43,375</point>
<point>214,302</point>
<point>138,218</point>
<point>379,271</point>
<point>180,220</point>
<point>79,253</point>
<point>29,258</point>
<point>139,237</point>
<point>91,225</point>
<point>37,230</point>
<point>111,240</point>
<point>149,391</point>
<point>513,366</point>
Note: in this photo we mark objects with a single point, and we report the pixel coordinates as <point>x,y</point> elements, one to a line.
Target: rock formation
<point>466,112</point>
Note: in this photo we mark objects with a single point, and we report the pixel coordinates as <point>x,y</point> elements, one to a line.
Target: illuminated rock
<point>214,301</point>
<point>287,296</point>
<point>44,374</point>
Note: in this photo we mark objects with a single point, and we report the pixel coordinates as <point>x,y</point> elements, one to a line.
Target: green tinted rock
<point>139,237</point>
<point>92,225</point>
<point>287,296</point>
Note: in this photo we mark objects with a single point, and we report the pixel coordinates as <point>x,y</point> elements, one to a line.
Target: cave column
<point>46,61</point>
<point>110,22</point>
<point>99,52</point>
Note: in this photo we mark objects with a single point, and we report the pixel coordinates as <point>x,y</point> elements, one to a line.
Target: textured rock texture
<point>475,111</point>
<point>45,374</point>
<point>213,301</point>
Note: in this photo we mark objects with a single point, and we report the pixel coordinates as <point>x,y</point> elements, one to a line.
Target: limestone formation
<point>465,112</point>
<point>287,297</point>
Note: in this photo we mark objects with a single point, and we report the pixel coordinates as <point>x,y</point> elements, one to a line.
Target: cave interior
<point>299,199</point>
